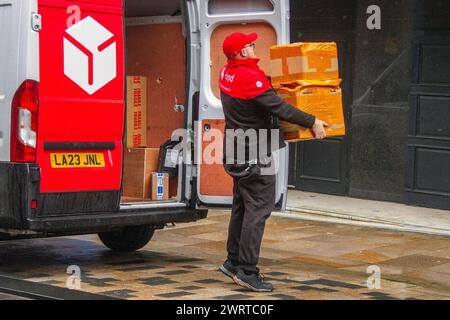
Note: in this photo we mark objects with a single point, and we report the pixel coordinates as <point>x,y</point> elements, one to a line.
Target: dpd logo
<point>89,55</point>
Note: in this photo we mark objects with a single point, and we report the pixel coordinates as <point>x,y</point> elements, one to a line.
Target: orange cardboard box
<point>304,61</point>
<point>139,163</point>
<point>136,111</point>
<point>320,98</point>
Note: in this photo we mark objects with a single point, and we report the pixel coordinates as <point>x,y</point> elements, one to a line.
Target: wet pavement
<point>7,296</point>
<point>303,259</point>
<point>395,216</point>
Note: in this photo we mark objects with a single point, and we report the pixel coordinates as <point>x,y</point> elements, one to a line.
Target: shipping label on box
<point>136,111</point>
<point>304,61</point>
<point>322,99</point>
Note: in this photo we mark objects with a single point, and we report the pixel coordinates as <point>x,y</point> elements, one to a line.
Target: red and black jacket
<point>250,102</point>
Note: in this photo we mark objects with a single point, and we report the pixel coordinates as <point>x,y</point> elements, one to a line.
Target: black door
<point>323,166</point>
<point>428,174</point>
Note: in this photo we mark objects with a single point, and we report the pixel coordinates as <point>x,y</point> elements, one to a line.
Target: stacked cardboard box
<point>140,178</point>
<point>306,75</point>
<point>136,111</point>
<point>139,165</point>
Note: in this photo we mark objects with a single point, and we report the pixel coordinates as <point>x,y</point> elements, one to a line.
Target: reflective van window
<point>239,6</point>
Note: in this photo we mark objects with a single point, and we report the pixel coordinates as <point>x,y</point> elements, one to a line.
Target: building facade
<point>394,60</point>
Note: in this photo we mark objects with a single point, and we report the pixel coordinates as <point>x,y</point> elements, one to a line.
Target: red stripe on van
<point>106,44</point>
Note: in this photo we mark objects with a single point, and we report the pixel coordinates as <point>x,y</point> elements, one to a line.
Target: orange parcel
<point>304,61</point>
<point>306,75</point>
<point>320,98</point>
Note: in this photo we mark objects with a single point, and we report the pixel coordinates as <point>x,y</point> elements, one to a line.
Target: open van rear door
<point>81,110</point>
<point>211,21</point>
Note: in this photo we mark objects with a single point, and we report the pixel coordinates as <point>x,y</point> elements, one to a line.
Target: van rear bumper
<point>100,222</point>
<point>19,184</point>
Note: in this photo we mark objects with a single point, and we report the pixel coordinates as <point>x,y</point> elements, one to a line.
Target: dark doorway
<point>428,174</point>
<point>323,166</point>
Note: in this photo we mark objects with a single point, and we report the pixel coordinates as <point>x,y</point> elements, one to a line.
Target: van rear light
<point>26,134</point>
<point>24,122</point>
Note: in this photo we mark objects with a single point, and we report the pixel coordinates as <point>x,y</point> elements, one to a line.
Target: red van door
<point>81,109</point>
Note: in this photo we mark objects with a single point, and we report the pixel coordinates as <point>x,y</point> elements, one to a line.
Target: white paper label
<point>171,160</point>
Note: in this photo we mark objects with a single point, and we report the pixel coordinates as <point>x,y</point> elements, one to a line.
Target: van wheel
<point>128,239</point>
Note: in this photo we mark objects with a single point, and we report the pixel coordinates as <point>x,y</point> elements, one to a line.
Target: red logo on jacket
<point>243,79</point>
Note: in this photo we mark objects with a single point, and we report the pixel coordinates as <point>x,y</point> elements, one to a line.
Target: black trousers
<point>253,202</point>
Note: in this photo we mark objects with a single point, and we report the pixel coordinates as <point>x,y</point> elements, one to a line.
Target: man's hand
<point>319,129</point>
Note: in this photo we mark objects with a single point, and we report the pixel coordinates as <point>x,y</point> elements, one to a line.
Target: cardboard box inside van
<point>136,111</point>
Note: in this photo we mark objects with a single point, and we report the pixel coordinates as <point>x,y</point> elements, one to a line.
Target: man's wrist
<point>313,121</point>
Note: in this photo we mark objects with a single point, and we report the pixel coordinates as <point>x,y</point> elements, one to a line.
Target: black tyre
<point>128,239</point>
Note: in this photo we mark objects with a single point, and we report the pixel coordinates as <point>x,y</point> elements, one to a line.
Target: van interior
<point>155,47</point>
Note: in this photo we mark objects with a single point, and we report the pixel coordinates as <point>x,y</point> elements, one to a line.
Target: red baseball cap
<point>235,42</point>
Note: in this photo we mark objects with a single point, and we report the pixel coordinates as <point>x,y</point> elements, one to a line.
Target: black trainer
<point>253,281</point>
<point>229,269</point>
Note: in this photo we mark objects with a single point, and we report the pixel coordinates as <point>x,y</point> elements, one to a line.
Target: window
<point>239,6</point>
<point>266,38</point>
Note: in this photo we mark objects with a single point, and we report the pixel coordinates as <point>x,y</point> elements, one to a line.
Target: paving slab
<point>303,259</point>
<point>368,212</point>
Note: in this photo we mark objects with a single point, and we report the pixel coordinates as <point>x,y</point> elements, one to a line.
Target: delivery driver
<point>250,104</point>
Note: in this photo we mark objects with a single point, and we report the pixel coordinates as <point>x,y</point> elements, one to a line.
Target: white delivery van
<point>63,68</point>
